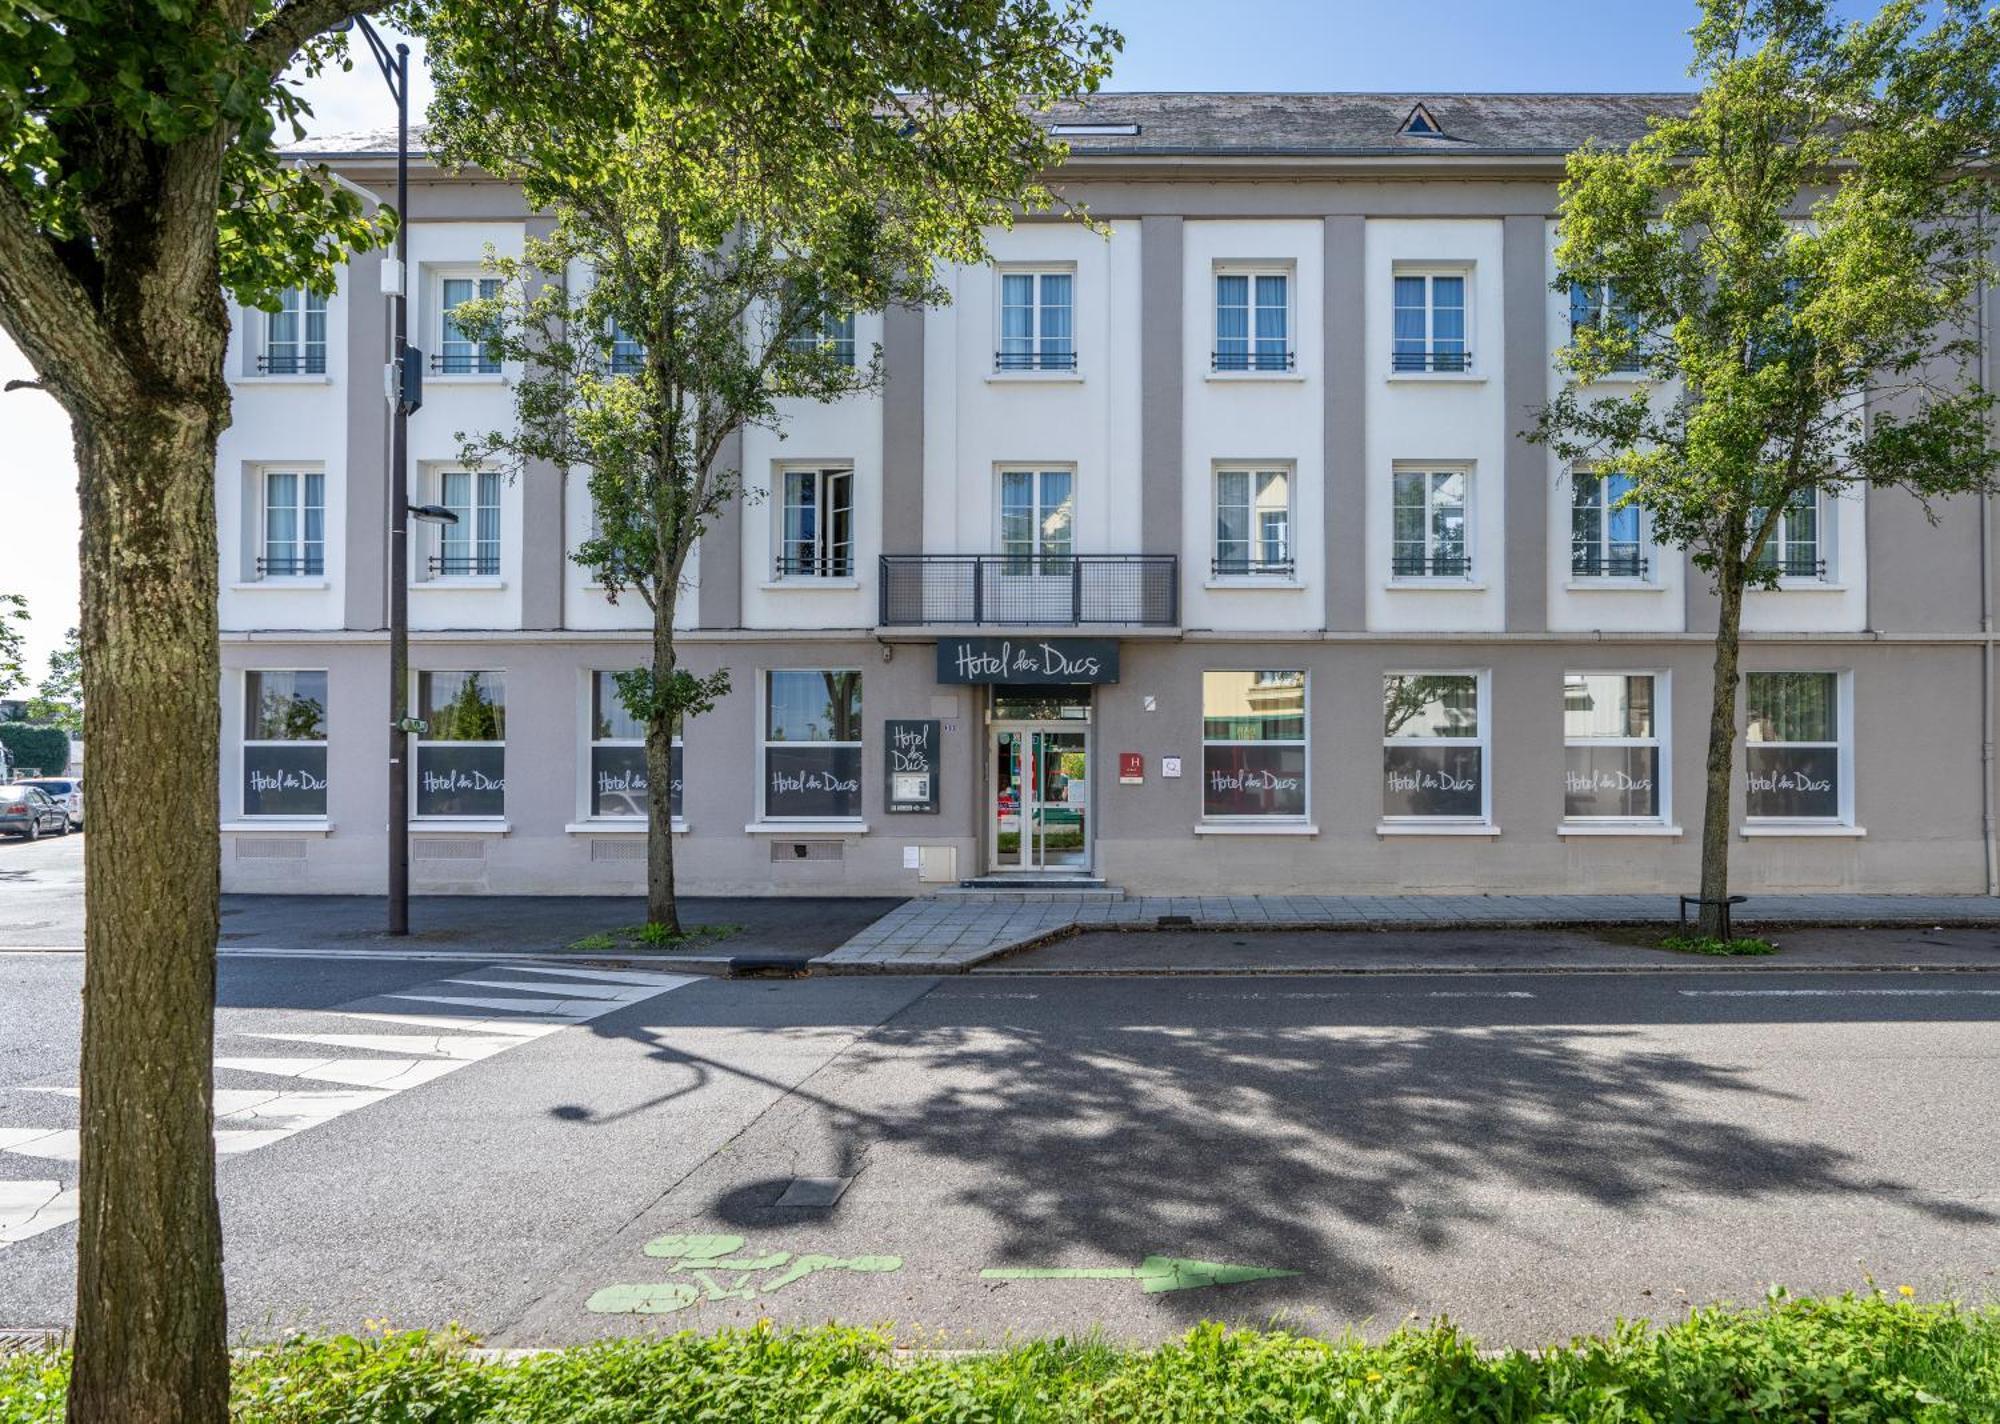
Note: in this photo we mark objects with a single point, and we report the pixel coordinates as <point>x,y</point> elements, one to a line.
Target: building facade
<point>1201,553</point>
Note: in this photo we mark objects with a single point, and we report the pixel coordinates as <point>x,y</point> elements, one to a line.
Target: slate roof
<point>1287,125</point>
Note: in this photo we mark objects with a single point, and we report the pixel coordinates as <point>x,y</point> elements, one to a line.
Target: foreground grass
<point>1854,1359</point>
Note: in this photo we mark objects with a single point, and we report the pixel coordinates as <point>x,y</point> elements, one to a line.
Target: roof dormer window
<point>1421,124</point>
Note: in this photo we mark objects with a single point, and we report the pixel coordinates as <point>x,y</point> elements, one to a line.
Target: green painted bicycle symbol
<point>712,1271</point>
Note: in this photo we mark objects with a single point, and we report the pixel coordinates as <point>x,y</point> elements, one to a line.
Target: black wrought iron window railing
<point>837,564</point>
<point>464,565</point>
<point>1446,360</point>
<point>1027,590</point>
<point>291,566</point>
<point>1795,566</point>
<point>297,363</point>
<point>1594,563</point>
<point>627,363</point>
<point>1251,568</point>
<point>1431,565</point>
<point>464,363</point>
<point>1253,360</point>
<point>1049,360</point>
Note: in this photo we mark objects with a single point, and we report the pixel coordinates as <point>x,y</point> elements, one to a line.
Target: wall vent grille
<point>448,848</point>
<point>263,848</point>
<point>794,852</point>
<point>603,849</point>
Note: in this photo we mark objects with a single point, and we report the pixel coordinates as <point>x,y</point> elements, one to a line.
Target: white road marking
<point>609,976</point>
<point>452,1042</point>
<point>1832,993</point>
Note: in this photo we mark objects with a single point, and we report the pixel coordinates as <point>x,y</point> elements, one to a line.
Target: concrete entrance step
<point>1041,888</point>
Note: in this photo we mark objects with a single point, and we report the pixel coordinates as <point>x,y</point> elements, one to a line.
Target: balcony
<point>1030,590</point>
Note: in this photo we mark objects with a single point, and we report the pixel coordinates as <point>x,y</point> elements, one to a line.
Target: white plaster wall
<point>1252,418</point>
<point>824,434</point>
<point>279,421</point>
<point>585,605</point>
<point>1839,604</point>
<point>976,421</point>
<point>1442,419</point>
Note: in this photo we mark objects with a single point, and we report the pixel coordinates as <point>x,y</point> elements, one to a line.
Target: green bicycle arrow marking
<point>1155,1274</point>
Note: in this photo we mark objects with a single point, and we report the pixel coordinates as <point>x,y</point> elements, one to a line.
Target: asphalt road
<point>1531,1154</point>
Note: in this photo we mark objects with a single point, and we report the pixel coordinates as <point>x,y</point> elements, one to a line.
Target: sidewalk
<point>952,934</point>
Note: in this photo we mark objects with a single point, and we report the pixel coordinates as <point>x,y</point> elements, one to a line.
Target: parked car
<point>65,791</point>
<point>26,811</point>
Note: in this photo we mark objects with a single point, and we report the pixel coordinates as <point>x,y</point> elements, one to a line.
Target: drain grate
<point>1174,922</point>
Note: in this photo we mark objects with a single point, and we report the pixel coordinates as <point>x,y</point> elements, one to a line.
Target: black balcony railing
<point>297,363</point>
<point>1031,589</point>
<point>464,363</point>
<point>1064,360</point>
<point>1251,568</point>
<point>1595,563</point>
<point>291,566</point>
<point>627,363</point>
<point>1795,566</point>
<point>1252,360</point>
<point>464,565</point>
<point>1431,565</point>
<point>1405,361</point>
<point>838,564</point>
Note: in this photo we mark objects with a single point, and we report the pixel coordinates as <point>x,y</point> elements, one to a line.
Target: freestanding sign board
<point>1037,661</point>
<point>913,763</point>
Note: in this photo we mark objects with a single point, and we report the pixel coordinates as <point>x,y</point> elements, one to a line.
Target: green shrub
<point>1709,944</point>
<point>32,750</point>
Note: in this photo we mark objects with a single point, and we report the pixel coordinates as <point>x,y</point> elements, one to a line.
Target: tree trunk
<point>661,909</point>
<point>1721,748</point>
<point>150,1335</point>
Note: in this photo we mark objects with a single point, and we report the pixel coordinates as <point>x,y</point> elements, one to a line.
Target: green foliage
<point>13,613</point>
<point>31,748</point>
<point>651,936</point>
<point>472,714</point>
<point>1861,1359</point>
<point>1721,948</point>
<point>58,701</point>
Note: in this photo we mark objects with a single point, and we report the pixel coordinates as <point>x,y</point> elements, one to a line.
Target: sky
<point>1439,47</point>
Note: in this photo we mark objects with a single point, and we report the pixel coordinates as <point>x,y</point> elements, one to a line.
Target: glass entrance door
<point>1041,804</point>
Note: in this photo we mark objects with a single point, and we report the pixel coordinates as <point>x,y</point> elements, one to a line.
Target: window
<point>458,354</point>
<point>619,788</point>
<point>1793,549</point>
<point>1037,326</point>
<point>818,540</point>
<point>835,336</point>
<point>1598,306</point>
<point>1253,744</point>
<point>628,353</point>
<point>1433,747</point>
<point>471,547</point>
<point>1253,321</point>
<point>1793,764</point>
<point>812,745</point>
<point>294,542</point>
<point>295,335</point>
<point>1604,532</point>
<point>1611,738</point>
<point>284,743</point>
<point>462,753</point>
<point>1430,325</point>
<point>1037,516</point>
<point>1429,535</point>
<point>1253,522</point>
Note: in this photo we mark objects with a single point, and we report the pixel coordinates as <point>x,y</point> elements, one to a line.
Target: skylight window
<point>1095,130</point>
<point>1421,124</point>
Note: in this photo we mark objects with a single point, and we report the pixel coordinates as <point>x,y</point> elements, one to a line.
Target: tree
<point>58,701</point>
<point>732,180</point>
<point>1794,264</point>
<point>13,666</point>
<point>139,181</point>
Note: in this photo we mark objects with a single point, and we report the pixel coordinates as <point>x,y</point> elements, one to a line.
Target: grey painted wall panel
<point>1161,322</point>
<point>1524,377</point>
<point>720,595</point>
<point>903,431</point>
<point>544,536</point>
<point>1346,455</point>
<point>365,593</point>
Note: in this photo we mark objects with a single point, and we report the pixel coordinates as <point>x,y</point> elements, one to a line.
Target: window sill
<point>623,827</point>
<point>1230,378</point>
<point>461,826</point>
<point>264,380</point>
<point>1034,378</point>
<point>1617,828</point>
<point>1249,828</point>
<point>1803,586</point>
<point>1780,830</point>
<point>1433,585</point>
<point>809,584</point>
<point>447,583</point>
<point>1441,828</point>
<point>279,825</point>
<point>280,585</point>
<point>1251,581</point>
<point>465,378</point>
<point>1435,378</point>
<point>853,827</point>
<point>1614,585</point>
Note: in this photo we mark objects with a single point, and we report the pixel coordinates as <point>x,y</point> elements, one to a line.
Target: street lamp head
<point>432,514</point>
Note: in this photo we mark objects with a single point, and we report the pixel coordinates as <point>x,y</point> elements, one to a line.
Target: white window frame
<point>1253,565</point>
<point>1646,572</point>
<point>245,741</point>
<point>1824,544</point>
<point>1483,690</point>
<point>1034,361</point>
<point>835,333</point>
<point>308,357</point>
<point>764,745</point>
<point>418,743</point>
<point>823,565</point>
<point>588,741</point>
<point>479,366</point>
<point>1843,745</point>
<point>300,558</point>
<point>1035,472</point>
<point>628,353</point>
<point>1304,741</point>
<point>1253,362</point>
<point>1425,368</point>
<point>1661,740</point>
<point>1429,470</point>
<point>440,536</point>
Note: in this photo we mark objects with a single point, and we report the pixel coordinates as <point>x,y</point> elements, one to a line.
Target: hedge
<point>35,750</point>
